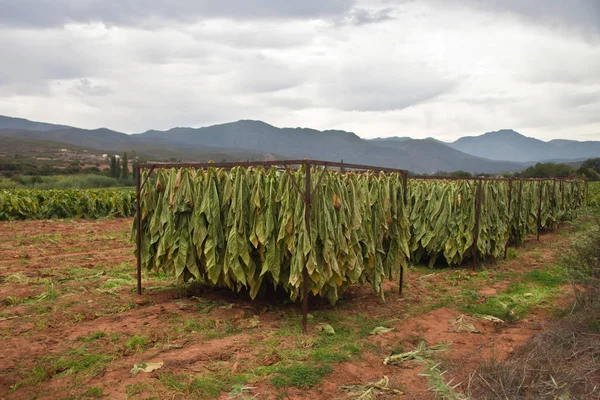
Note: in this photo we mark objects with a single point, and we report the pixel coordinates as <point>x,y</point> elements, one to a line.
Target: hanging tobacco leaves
<point>244,229</point>
<point>443,213</point>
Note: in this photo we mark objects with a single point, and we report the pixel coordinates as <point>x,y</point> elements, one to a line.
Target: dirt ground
<point>72,325</point>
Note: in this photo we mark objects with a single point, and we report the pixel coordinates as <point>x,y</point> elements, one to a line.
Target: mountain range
<point>509,145</point>
<point>493,152</point>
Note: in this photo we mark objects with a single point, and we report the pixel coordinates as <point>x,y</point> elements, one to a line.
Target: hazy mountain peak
<point>432,139</point>
<point>508,144</point>
<point>251,122</point>
<point>506,133</point>
<point>394,138</point>
<point>253,138</point>
<point>499,134</point>
<point>22,123</point>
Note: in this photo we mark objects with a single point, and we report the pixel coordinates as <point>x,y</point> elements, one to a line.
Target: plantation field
<point>72,326</point>
<point>52,204</point>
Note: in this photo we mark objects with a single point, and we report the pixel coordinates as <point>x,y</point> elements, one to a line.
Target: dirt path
<point>71,325</point>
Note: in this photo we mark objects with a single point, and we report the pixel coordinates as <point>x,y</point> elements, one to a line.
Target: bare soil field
<point>72,325</point>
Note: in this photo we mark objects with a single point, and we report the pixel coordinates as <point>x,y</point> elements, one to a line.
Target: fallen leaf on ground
<point>146,367</point>
<point>328,329</point>
<point>380,329</point>
<point>460,325</point>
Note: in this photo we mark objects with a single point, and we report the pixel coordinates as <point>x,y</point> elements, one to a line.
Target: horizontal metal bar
<point>272,163</point>
<point>220,164</point>
<point>284,163</point>
<point>456,178</point>
<point>356,166</point>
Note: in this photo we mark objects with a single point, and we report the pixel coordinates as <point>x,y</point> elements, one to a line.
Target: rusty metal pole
<point>562,200</point>
<point>405,199</point>
<point>539,216</point>
<point>138,229</point>
<point>307,203</point>
<point>509,216</point>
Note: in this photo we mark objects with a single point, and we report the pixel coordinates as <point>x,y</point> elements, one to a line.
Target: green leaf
<point>380,330</point>
<point>328,329</point>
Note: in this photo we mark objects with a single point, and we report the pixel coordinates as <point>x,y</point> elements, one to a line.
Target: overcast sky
<point>442,68</point>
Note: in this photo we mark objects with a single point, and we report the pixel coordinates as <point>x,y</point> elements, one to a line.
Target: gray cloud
<point>375,67</point>
<point>37,58</point>
<point>250,36</point>
<point>48,13</point>
<point>259,75</point>
<point>363,16</point>
<point>36,88</point>
<point>388,81</point>
<point>86,87</point>
<point>582,15</point>
<point>385,96</point>
<point>582,100</point>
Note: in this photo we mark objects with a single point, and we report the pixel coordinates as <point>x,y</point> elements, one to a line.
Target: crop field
<point>24,204</point>
<point>72,326</point>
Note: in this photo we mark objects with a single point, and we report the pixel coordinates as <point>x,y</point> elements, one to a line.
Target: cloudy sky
<point>442,68</point>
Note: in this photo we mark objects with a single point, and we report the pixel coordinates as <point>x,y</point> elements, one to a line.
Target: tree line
<point>119,167</point>
<point>589,169</point>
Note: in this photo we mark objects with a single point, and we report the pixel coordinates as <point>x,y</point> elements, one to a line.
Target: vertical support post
<point>477,214</point>
<point>405,200</point>
<point>539,214</point>
<point>307,203</point>
<point>509,215</point>
<point>138,228</point>
<point>562,200</point>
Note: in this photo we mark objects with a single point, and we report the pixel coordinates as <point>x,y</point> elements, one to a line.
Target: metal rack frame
<point>307,195</point>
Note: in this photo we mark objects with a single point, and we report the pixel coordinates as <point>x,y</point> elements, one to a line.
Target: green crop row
<point>47,204</point>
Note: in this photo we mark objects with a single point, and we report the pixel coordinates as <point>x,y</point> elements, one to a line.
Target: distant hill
<point>112,141</point>
<point>36,148</point>
<point>509,145</point>
<point>424,156</point>
<point>434,155</point>
<point>493,152</point>
<point>25,124</point>
<point>102,138</point>
<point>16,141</point>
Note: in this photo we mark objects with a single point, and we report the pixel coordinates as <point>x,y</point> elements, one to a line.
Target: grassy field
<point>76,181</point>
<point>72,326</point>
